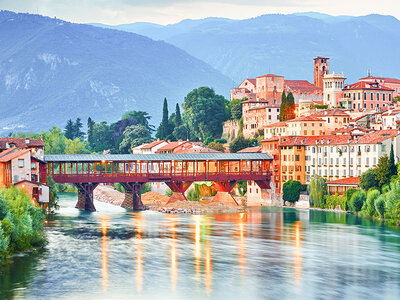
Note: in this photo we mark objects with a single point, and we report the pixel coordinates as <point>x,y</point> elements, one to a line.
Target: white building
<point>340,156</point>
<point>333,85</point>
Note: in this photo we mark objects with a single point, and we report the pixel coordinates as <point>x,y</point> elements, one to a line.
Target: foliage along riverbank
<point>379,197</point>
<point>21,226</point>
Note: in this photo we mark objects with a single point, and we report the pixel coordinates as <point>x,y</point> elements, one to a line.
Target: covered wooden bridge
<point>178,171</point>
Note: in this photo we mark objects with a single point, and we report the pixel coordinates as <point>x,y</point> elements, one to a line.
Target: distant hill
<point>52,70</point>
<point>286,44</point>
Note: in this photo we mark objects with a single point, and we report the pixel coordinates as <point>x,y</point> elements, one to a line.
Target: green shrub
<point>380,206</point>
<point>291,191</point>
<point>357,201</point>
<point>168,192</point>
<point>332,201</point>
<point>146,188</point>
<point>385,188</point>
<point>372,195</point>
<point>350,193</point>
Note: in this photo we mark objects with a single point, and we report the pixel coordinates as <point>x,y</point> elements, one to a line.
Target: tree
<point>282,110</point>
<point>291,191</point>
<point>69,130</point>
<point>357,200</point>
<point>380,205</point>
<point>368,180</point>
<point>393,168</point>
<point>290,107</point>
<point>164,122</point>
<point>383,170</point>
<point>178,117</point>
<point>78,133</point>
<point>368,125</point>
<point>54,141</point>
<point>204,113</point>
<point>317,190</point>
<point>134,136</point>
<point>75,147</point>
<point>181,133</point>
<point>140,117</point>
<point>372,195</point>
<point>102,137</point>
<point>216,146</point>
<point>236,109</point>
<point>90,125</point>
<point>240,143</point>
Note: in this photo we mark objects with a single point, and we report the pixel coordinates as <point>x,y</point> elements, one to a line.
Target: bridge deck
<point>158,167</point>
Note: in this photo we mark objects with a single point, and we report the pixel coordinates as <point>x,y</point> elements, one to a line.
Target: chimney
<point>329,141</point>
<point>27,141</point>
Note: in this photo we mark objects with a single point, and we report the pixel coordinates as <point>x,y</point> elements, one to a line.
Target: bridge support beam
<point>85,196</point>
<point>178,190</point>
<point>133,199</point>
<point>223,192</point>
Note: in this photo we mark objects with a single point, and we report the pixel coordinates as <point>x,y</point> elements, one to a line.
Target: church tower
<point>321,67</point>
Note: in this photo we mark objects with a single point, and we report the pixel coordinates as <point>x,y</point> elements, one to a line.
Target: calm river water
<point>267,253</point>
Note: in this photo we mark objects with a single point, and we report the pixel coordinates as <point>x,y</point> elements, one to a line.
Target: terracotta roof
<point>258,107</point>
<point>255,101</point>
<point>385,79</point>
<point>12,155</point>
<point>251,80</point>
<point>345,181</point>
<point>306,118</point>
<point>302,86</point>
<point>318,102</point>
<point>336,112</point>
<point>172,146</point>
<point>349,130</point>
<point>20,143</point>
<point>273,139</point>
<point>196,150</point>
<point>269,75</point>
<point>391,113</point>
<point>343,139</point>
<point>152,144</point>
<point>277,124</point>
<point>251,150</point>
<point>363,85</point>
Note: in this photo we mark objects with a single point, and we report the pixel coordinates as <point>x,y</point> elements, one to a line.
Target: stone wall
<point>230,130</point>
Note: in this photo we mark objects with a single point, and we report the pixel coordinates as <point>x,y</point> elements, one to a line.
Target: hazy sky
<point>171,11</point>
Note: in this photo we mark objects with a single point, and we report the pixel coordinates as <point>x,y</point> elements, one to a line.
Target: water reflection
<point>297,252</point>
<point>274,253</point>
<point>173,252</point>
<point>104,225</point>
<point>138,221</point>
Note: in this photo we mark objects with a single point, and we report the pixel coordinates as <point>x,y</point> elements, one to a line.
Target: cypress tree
<point>164,122</point>
<point>282,110</point>
<point>90,125</point>
<point>290,107</point>
<point>78,133</point>
<point>178,118</point>
<point>393,168</point>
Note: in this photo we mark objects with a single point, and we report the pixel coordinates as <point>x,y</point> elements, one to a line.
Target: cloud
<point>171,11</point>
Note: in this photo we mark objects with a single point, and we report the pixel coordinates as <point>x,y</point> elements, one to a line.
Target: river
<point>268,253</point>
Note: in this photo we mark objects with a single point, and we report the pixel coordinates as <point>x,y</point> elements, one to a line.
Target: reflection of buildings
<point>104,225</point>
<point>138,220</point>
<point>173,251</point>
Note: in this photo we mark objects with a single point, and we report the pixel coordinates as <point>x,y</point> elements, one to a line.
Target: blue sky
<point>171,11</point>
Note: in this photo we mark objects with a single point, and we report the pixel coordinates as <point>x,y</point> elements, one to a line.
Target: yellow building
<point>306,125</point>
<point>293,160</point>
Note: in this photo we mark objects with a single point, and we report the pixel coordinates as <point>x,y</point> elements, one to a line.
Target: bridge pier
<point>133,199</point>
<point>178,190</point>
<point>85,196</point>
<point>223,192</point>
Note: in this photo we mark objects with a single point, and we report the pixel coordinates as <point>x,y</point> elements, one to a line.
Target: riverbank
<point>158,202</point>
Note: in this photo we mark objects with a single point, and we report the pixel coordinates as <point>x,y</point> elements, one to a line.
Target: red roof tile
<point>12,155</point>
<point>385,79</point>
<point>336,112</point>
<point>345,181</point>
<point>152,144</point>
<point>277,124</point>
<point>269,75</point>
<point>363,85</point>
<point>20,143</point>
<point>251,150</point>
<point>302,86</point>
<point>306,119</point>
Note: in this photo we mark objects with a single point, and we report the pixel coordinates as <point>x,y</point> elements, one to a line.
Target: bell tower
<point>321,67</point>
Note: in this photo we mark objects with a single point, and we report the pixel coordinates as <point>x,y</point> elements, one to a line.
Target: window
<point>33,166</point>
<point>21,163</point>
<point>297,157</point>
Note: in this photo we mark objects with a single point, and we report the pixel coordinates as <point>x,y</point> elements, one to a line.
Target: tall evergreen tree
<point>70,130</point>
<point>282,110</point>
<point>392,164</point>
<point>78,133</point>
<point>290,107</point>
<point>164,121</point>
<point>90,125</point>
<point>178,118</point>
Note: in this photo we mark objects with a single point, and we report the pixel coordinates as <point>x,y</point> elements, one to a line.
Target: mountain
<point>52,70</point>
<point>286,44</point>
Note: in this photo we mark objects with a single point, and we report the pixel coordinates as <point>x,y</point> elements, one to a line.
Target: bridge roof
<point>154,157</point>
